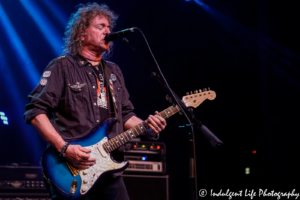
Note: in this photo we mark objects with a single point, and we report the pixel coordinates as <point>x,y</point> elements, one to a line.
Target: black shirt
<point>102,92</point>
<point>67,93</point>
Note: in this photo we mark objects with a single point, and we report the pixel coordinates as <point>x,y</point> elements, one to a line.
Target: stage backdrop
<point>246,51</point>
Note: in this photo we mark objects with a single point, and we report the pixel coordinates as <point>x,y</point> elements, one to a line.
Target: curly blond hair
<point>80,20</point>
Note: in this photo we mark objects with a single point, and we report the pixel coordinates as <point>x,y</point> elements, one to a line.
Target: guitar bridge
<point>73,170</point>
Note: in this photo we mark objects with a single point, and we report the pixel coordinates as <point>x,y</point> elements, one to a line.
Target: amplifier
<point>145,157</point>
<point>22,182</point>
<point>24,178</point>
<point>24,196</point>
<point>147,187</point>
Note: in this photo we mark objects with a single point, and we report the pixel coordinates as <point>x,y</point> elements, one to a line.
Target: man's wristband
<point>64,149</point>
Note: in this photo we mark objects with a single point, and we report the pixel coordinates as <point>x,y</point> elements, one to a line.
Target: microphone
<point>120,34</point>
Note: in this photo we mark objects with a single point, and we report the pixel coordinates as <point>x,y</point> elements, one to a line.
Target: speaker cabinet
<point>147,187</point>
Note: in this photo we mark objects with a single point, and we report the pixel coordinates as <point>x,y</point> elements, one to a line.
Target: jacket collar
<point>82,61</point>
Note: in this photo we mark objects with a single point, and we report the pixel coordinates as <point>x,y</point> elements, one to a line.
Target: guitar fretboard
<point>135,131</point>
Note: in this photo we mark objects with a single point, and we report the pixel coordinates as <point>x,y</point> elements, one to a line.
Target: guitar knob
<point>85,181</point>
<point>84,173</point>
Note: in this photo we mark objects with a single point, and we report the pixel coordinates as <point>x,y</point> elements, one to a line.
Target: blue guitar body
<point>73,183</point>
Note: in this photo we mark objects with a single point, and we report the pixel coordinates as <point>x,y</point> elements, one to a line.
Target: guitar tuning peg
<point>204,89</point>
<point>200,90</point>
<point>187,93</point>
<point>208,88</point>
<point>191,92</point>
<point>195,92</point>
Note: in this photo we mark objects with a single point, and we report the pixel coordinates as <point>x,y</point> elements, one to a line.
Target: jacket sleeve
<point>45,97</point>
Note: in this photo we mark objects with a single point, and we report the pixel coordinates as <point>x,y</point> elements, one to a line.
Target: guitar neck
<point>135,131</point>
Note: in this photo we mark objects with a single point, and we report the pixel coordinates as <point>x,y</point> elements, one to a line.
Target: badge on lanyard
<point>113,77</point>
<point>101,95</point>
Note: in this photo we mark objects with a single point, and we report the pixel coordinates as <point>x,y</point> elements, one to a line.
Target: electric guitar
<point>74,183</point>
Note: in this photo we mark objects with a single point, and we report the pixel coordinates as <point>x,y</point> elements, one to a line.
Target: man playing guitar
<point>79,90</point>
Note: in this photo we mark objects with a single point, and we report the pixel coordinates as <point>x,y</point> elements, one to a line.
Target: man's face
<point>93,37</point>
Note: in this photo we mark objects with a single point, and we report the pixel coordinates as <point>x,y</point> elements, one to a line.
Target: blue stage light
<point>13,89</point>
<point>20,50</point>
<point>49,31</point>
<point>3,118</point>
<point>15,121</point>
<point>202,4</point>
<point>57,12</point>
<point>199,3</point>
<point>144,158</point>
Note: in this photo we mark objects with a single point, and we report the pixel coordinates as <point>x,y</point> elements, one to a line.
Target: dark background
<point>245,51</point>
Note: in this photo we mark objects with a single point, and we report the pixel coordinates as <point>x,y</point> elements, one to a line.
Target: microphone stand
<point>188,112</point>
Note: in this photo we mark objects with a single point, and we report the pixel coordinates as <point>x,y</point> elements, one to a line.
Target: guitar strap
<point>111,93</point>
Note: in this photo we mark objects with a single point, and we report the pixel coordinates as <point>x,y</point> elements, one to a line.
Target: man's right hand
<point>79,156</point>
<point>75,154</point>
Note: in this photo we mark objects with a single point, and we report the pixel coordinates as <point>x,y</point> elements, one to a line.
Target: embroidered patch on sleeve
<point>46,74</point>
<point>43,81</point>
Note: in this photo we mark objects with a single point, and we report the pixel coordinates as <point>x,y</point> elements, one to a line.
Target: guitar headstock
<point>196,98</point>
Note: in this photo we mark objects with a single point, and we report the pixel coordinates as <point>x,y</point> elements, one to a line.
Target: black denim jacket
<point>67,94</point>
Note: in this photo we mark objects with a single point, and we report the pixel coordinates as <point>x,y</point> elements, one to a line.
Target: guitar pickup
<point>73,170</point>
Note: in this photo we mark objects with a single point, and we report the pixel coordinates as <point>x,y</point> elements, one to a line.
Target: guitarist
<point>79,90</point>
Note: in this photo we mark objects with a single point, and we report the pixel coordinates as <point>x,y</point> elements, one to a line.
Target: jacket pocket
<point>78,94</point>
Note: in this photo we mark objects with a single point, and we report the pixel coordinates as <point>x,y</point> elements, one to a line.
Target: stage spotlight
<point>57,12</point>
<point>21,53</point>
<point>201,4</point>
<point>3,118</point>
<point>144,158</point>
<point>49,31</point>
<point>247,170</point>
<point>13,89</point>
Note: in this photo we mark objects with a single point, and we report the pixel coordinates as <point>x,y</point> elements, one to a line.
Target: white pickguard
<point>103,164</point>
